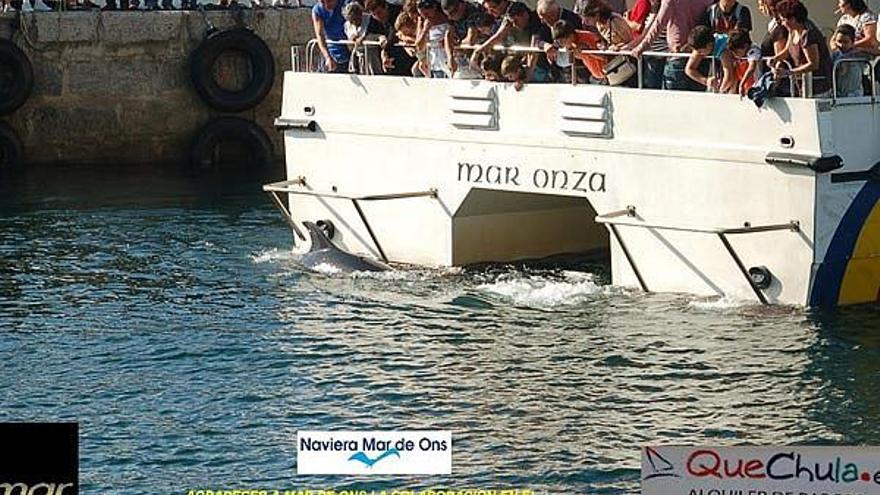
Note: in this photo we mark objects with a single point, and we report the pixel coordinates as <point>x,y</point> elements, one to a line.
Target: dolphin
<point>323,252</point>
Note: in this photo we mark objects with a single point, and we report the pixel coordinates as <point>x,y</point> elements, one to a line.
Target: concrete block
<point>153,120</point>
<point>135,77</point>
<point>267,24</point>
<point>298,29</point>
<point>41,27</point>
<point>78,27</point>
<point>48,78</point>
<point>123,28</point>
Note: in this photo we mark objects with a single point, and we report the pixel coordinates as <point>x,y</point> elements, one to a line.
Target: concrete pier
<point>114,87</point>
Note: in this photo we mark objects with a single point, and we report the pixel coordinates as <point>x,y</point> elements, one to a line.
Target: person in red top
<point>576,40</point>
<point>637,16</point>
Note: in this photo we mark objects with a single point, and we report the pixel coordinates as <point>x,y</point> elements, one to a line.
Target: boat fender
<point>262,69</point>
<point>220,130</point>
<point>327,227</point>
<point>16,90</point>
<point>10,147</point>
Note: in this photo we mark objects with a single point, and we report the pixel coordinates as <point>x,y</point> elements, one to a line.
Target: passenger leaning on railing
<point>520,26</point>
<point>357,23</point>
<point>848,74</point>
<point>735,57</point>
<point>329,24</point>
<point>440,39</point>
<point>465,19</point>
<point>576,41</point>
<point>550,12</point>
<point>395,59</point>
<point>677,17</point>
<point>806,49</point>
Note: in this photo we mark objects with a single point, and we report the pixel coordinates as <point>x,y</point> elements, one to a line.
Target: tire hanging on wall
<point>10,147</point>
<point>231,129</point>
<point>262,64</point>
<point>17,84</point>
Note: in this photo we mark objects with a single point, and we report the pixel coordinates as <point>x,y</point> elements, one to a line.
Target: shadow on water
<point>89,186</point>
<point>845,370</point>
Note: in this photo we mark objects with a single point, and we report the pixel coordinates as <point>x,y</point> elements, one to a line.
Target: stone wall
<point>114,87</point>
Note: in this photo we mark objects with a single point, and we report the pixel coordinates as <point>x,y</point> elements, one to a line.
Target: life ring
<point>15,91</point>
<point>10,147</point>
<point>262,65</point>
<point>203,154</point>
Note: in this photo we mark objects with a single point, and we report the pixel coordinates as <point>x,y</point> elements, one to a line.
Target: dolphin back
<point>324,252</point>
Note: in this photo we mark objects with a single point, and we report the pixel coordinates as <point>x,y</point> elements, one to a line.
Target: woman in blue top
<point>329,25</point>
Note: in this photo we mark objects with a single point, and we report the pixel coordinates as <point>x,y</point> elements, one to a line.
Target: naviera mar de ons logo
<point>361,456</point>
<point>374,452</point>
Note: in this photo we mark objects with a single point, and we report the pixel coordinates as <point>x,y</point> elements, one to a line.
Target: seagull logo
<point>364,458</point>
<point>659,465</point>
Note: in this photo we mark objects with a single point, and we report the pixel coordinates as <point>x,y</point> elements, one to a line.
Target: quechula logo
<point>660,466</point>
<point>361,456</point>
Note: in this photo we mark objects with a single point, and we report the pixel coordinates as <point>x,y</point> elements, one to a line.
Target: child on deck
<point>513,70</point>
<point>849,74</point>
<point>357,22</point>
<point>490,67</point>
<point>747,60</point>
<point>704,43</point>
<point>407,30</point>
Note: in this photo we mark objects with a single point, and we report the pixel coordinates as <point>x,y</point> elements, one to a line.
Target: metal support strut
<point>287,187</point>
<point>611,221</point>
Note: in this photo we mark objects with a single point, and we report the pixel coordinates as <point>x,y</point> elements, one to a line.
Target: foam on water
<point>273,255</point>
<point>722,303</point>
<point>544,291</point>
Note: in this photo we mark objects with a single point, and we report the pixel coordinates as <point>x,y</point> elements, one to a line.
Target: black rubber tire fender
<point>11,150</point>
<point>235,129</point>
<point>262,64</point>
<point>15,90</point>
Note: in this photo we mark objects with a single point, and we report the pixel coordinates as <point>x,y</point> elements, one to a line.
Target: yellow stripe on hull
<point>861,282</point>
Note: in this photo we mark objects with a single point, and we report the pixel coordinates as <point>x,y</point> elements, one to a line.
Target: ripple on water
<point>191,347</point>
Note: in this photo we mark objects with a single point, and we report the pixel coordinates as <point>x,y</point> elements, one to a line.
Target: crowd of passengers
<point>709,44</point>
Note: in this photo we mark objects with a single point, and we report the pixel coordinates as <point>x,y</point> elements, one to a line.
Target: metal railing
<point>799,86</point>
<point>870,65</point>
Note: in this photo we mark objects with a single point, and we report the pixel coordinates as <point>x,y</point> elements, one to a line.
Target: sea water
<point>167,314</point>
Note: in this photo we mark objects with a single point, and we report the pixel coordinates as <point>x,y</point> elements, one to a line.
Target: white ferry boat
<point>689,192</point>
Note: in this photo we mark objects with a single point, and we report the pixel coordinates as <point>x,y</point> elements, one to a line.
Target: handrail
<point>792,225</point>
<point>285,187</point>
<point>806,79</point>
<point>871,63</point>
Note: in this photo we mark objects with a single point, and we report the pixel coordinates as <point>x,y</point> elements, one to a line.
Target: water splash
<point>544,290</point>
<point>723,303</point>
<point>274,255</point>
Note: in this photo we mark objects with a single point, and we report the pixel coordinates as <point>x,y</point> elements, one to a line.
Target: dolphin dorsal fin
<point>318,237</point>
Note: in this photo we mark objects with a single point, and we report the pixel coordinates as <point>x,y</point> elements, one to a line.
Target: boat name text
<point>541,178</point>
